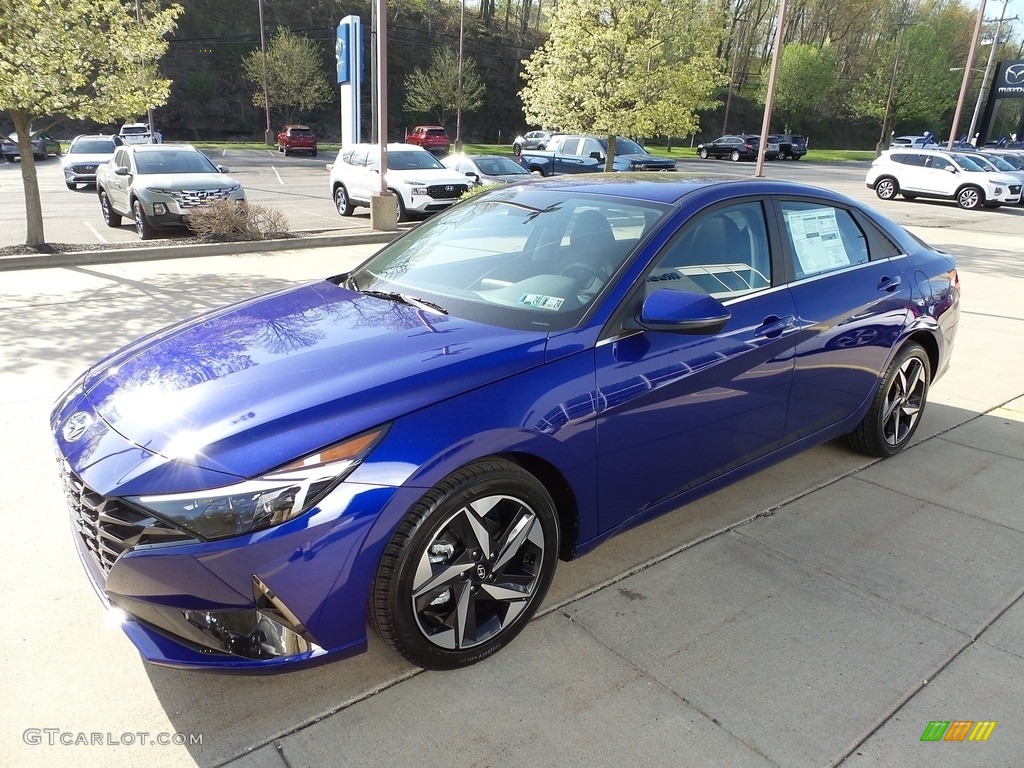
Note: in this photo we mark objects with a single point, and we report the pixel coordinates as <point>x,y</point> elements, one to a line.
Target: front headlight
<point>262,502</point>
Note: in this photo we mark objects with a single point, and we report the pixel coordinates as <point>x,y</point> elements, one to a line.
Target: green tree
<point>81,59</point>
<point>923,88</point>
<point>295,75</point>
<point>632,67</point>
<point>804,82</point>
<point>435,92</point>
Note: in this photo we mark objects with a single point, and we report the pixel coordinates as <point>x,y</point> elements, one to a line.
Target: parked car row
<point>972,179</point>
<point>43,145</point>
<point>787,146</point>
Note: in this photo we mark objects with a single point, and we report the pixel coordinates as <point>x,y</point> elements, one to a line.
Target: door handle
<point>773,326</point>
<point>889,284</point>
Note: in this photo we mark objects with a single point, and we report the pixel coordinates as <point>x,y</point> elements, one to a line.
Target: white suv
<point>417,179</point>
<point>940,174</point>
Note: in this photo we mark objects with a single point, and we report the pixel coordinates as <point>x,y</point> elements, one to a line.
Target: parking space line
<point>93,229</point>
<point>278,175</point>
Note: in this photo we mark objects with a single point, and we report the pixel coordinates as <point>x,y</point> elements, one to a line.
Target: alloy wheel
<point>904,401</point>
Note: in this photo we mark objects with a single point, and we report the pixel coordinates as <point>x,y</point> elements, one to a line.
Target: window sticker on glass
<point>815,234</point>
<point>540,301</point>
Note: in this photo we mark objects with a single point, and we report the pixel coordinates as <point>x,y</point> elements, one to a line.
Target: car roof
<point>160,147</point>
<point>105,136</point>
<point>671,188</point>
<point>392,147</point>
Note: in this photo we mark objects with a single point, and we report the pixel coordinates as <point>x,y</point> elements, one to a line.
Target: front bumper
<point>293,595</point>
<point>171,210</point>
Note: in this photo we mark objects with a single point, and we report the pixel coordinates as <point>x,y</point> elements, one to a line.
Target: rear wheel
<point>970,198</point>
<point>886,188</point>
<point>897,406</point>
<point>341,201</point>
<point>467,567</point>
<point>735,156</point>
<point>287,152</point>
<point>782,155</point>
<point>517,149</point>
<point>112,219</point>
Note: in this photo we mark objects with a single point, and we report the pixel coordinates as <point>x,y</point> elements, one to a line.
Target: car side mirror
<point>121,171</point>
<point>670,309</point>
<point>951,169</point>
<point>596,156</point>
<point>222,168</point>
<point>475,177</point>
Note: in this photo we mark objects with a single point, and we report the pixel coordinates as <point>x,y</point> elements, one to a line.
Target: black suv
<point>792,146</point>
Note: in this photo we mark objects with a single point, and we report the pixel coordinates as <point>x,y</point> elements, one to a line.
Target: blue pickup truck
<point>586,154</point>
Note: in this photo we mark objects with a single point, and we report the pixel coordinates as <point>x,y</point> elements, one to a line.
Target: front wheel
<point>142,225</point>
<point>886,188</point>
<point>782,155</point>
<point>735,156</point>
<point>468,566</point>
<point>970,198</point>
<point>897,406</point>
<point>517,150</point>
<point>703,153</point>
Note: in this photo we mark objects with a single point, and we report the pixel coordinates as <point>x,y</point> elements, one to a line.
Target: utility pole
<point>882,143</point>
<point>988,70</point>
<point>967,75</point>
<point>149,111</point>
<point>458,91</point>
<point>732,76</point>
<point>268,137</point>
<point>769,99</point>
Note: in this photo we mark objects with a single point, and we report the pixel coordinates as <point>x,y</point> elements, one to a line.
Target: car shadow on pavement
<point>239,714</point>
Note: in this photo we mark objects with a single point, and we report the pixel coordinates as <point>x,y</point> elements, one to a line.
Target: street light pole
<point>769,98</point>
<point>149,110</point>
<point>268,137</point>
<point>458,91</point>
<point>892,90</point>
<point>988,71</point>
<point>967,75</point>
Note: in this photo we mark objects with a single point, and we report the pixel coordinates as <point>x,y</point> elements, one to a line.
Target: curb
<point>121,255</point>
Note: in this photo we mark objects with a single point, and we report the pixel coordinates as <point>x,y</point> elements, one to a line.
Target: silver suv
<point>940,174</point>
<point>417,179</point>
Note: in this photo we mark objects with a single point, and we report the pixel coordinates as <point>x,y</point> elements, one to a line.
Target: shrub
<point>231,220</point>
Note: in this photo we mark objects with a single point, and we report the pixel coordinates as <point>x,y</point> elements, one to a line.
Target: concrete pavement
<point>824,611</point>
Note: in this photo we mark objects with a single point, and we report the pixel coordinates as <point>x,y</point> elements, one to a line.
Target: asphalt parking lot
<point>822,612</point>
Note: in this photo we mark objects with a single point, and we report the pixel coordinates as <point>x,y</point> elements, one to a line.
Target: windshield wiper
<point>402,298</point>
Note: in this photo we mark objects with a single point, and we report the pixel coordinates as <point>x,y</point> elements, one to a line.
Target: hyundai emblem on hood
<point>76,425</point>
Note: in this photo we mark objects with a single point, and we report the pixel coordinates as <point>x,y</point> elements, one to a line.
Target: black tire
<point>886,188</point>
<point>969,198</point>
<point>342,201</point>
<point>314,153</point>
<point>782,155</point>
<point>467,567</point>
<point>287,152</point>
<point>702,153</point>
<point>517,150</point>
<point>735,156</point>
<point>142,225</point>
<point>897,406</point>
<point>400,213</point>
<point>537,171</point>
<point>797,157</point>
<point>908,196</point>
<point>111,218</point>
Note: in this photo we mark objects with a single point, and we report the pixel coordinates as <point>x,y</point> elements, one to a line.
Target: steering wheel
<point>584,269</point>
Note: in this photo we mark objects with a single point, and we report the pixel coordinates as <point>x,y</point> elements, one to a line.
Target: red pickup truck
<point>431,137</point>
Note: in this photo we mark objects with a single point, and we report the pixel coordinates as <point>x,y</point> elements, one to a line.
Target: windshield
<point>997,162</point>
<point>624,146</point>
<point>518,257</point>
<point>500,166</point>
<point>93,147</point>
<point>412,161</point>
<point>173,161</point>
<point>968,164</point>
<point>1013,161</point>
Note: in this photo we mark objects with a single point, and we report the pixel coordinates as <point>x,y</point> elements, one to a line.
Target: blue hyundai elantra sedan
<point>417,442</point>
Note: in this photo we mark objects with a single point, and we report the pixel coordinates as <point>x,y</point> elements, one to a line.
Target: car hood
<point>428,176</point>
<point>292,371</point>
<point>186,181</point>
<point>648,159</point>
<point>86,157</point>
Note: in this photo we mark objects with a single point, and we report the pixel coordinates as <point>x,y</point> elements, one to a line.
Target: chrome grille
<point>84,168</point>
<point>190,198</point>
<point>446,191</point>
<point>107,526</point>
